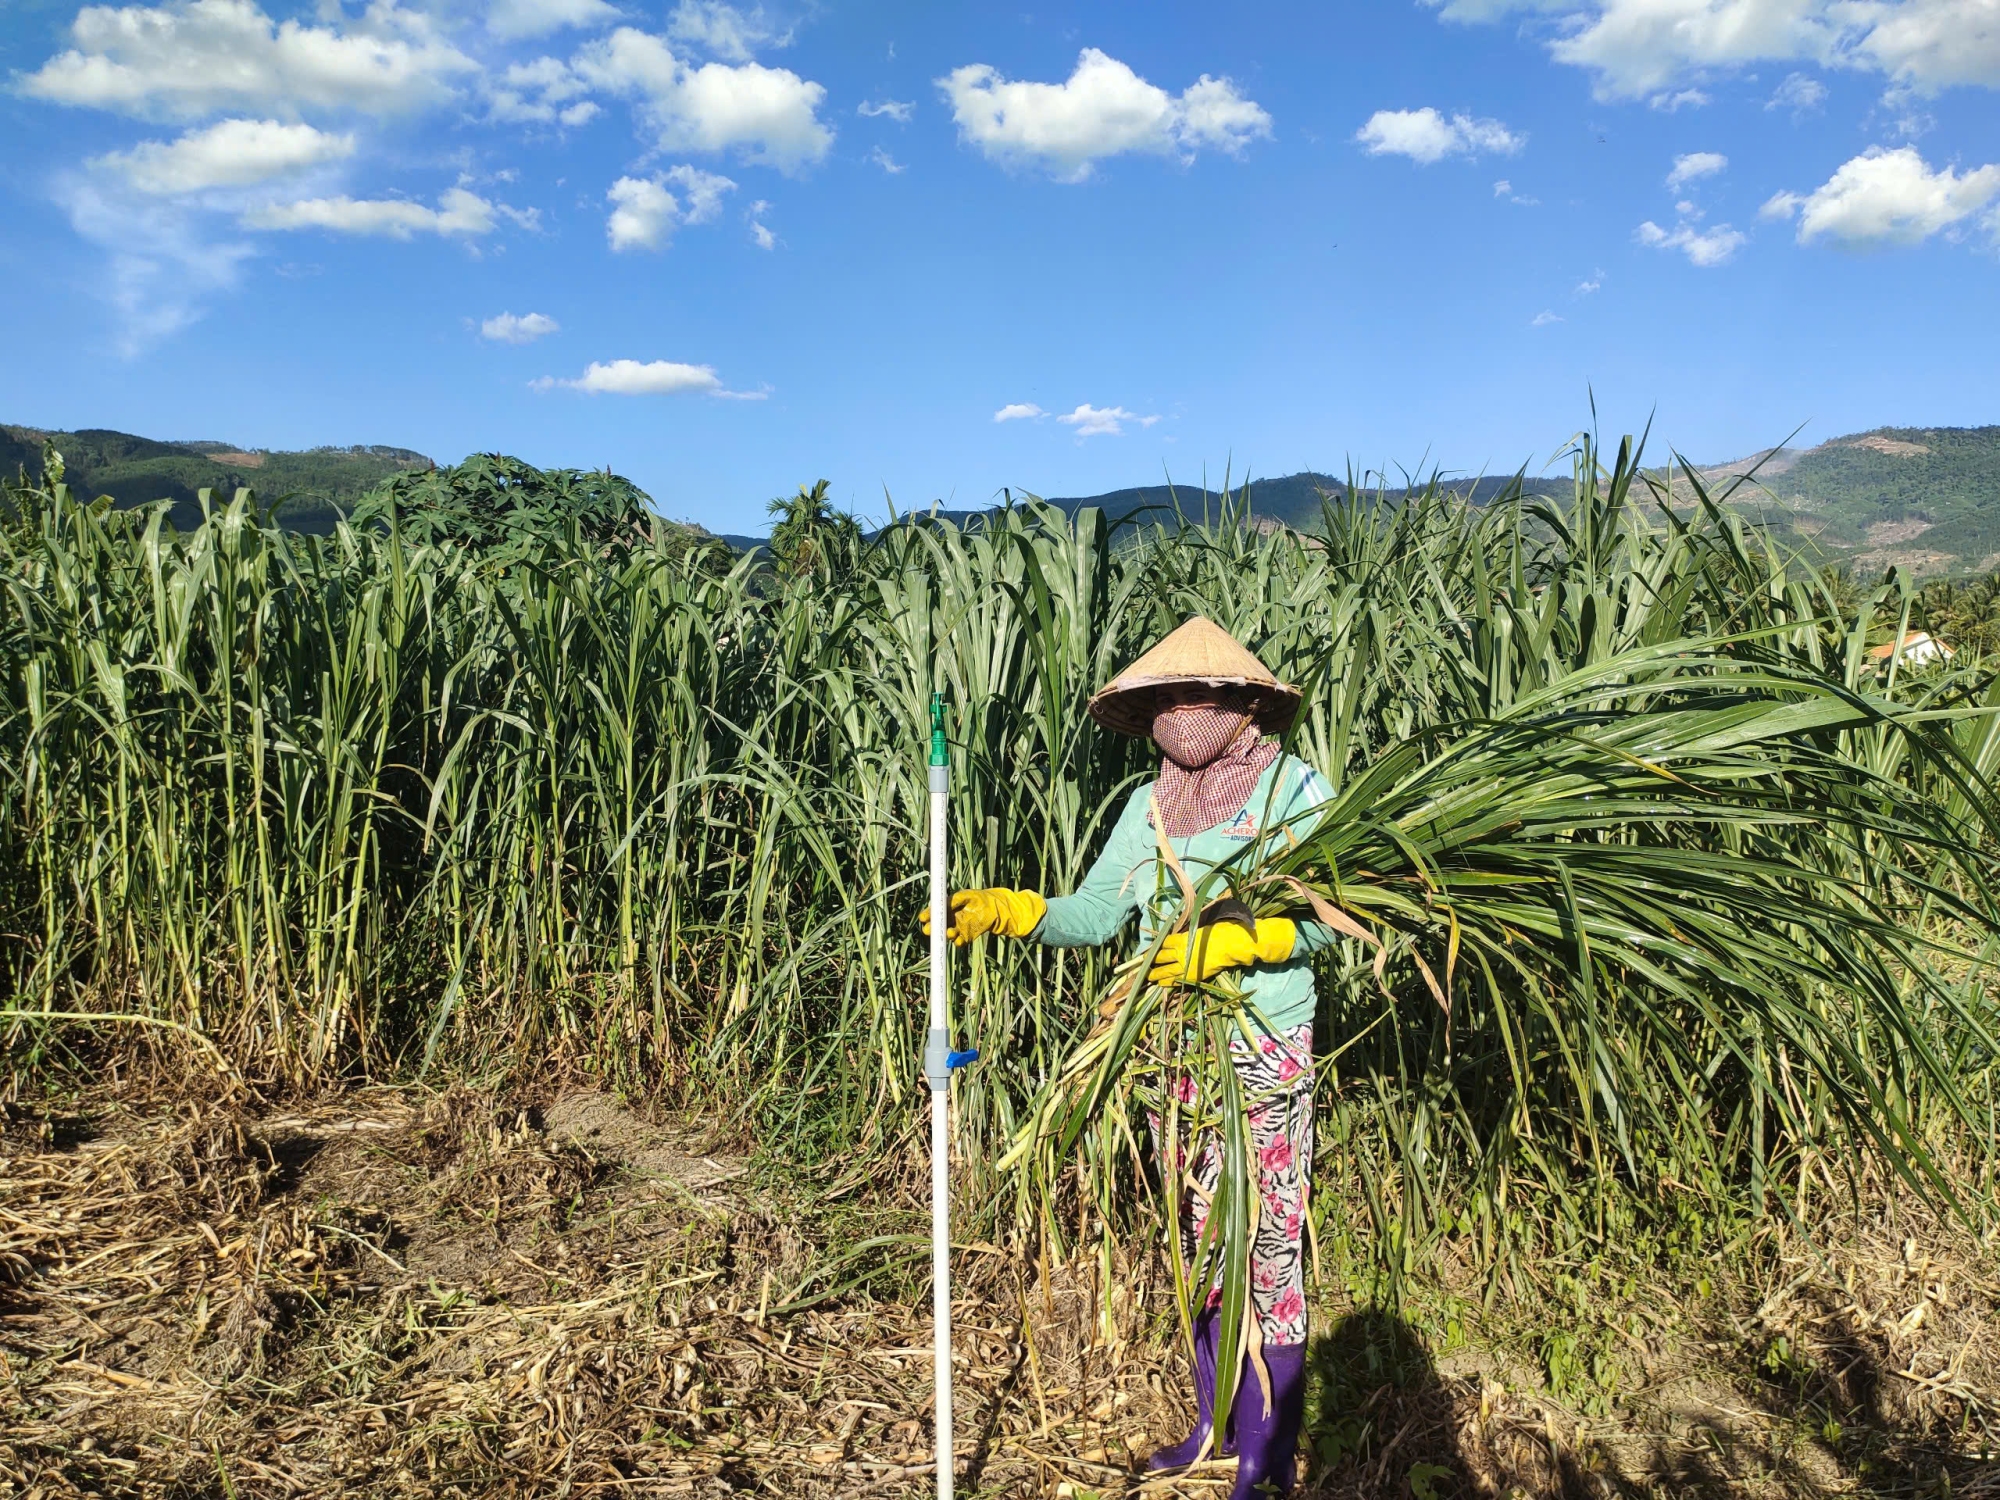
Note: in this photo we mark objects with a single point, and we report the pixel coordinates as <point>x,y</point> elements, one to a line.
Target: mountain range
<point>1924,500</point>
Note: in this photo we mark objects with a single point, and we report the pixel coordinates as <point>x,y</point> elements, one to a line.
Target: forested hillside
<point>1925,500</point>
<point>315,485</point>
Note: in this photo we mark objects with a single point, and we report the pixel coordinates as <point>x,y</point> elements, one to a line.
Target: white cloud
<point>1703,247</point>
<point>1101,421</point>
<point>1502,188</point>
<point>544,91</point>
<point>1798,93</point>
<point>458,212</point>
<point>704,192</point>
<point>521,18</point>
<point>1887,197</point>
<point>1677,100</point>
<point>1911,122</point>
<point>1103,109</point>
<point>1639,49</point>
<point>629,377</point>
<point>765,240</point>
<point>770,115</point>
<point>230,153</point>
<point>1543,318</point>
<point>724,30</point>
<point>508,329</point>
<point>197,57</point>
<point>886,162</point>
<point>1591,283</point>
<point>1015,411</point>
<point>1212,113</point>
<point>162,269</point>
<point>1931,44</point>
<point>647,214</point>
<point>895,109</point>
<point>1425,136</point>
<point>1695,166</point>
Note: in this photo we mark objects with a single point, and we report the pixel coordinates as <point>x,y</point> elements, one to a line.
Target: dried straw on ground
<point>394,1293</point>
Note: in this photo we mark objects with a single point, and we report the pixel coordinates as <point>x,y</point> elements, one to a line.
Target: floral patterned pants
<point>1277,1083</point>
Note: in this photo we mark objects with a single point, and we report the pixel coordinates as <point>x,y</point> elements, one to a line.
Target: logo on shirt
<point>1242,826</point>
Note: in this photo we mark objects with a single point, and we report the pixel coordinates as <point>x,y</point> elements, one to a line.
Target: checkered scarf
<point>1213,757</point>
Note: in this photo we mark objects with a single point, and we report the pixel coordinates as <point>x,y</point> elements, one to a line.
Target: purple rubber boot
<point>1267,1442</point>
<point>1183,1452</point>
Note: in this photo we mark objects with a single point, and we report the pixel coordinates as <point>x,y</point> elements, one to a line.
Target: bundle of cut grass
<point>1698,912</point>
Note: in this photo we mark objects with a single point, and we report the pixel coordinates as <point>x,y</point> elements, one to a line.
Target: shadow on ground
<point>1379,1419</point>
<point>1795,1421</point>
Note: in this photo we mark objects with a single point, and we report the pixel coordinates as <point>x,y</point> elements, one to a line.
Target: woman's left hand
<point>1223,945</point>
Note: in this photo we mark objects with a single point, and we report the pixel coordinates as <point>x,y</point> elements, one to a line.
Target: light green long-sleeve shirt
<point>1129,876</point>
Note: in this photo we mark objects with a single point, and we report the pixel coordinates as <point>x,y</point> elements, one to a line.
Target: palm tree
<point>810,533</point>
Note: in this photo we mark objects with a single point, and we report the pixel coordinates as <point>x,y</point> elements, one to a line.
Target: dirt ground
<point>409,1293</point>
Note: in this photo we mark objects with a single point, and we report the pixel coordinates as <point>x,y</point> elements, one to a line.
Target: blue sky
<point>929,251</point>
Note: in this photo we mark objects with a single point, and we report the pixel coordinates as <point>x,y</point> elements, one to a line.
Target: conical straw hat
<point>1199,651</point>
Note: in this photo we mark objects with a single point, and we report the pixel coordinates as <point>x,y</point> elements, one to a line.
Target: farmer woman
<point>1215,712</point>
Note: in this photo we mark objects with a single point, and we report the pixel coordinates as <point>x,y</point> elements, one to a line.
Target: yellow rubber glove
<point>1012,914</point>
<point>1225,945</point>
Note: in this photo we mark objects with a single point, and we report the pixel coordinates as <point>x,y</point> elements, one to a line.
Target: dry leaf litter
<point>400,1293</point>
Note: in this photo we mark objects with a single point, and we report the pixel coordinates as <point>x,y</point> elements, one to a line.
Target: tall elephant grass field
<point>464,1000</point>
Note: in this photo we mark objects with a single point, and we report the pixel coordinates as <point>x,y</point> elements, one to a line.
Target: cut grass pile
<point>400,1292</point>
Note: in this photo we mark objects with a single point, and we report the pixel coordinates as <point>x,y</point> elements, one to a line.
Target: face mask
<point>1193,735</point>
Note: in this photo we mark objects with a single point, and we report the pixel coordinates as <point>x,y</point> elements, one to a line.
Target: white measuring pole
<point>937,1073</point>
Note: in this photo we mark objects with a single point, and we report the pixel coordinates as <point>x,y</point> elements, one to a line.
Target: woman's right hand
<point>1012,914</point>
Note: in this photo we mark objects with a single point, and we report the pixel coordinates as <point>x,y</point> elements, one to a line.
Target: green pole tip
<point>940,753</point>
